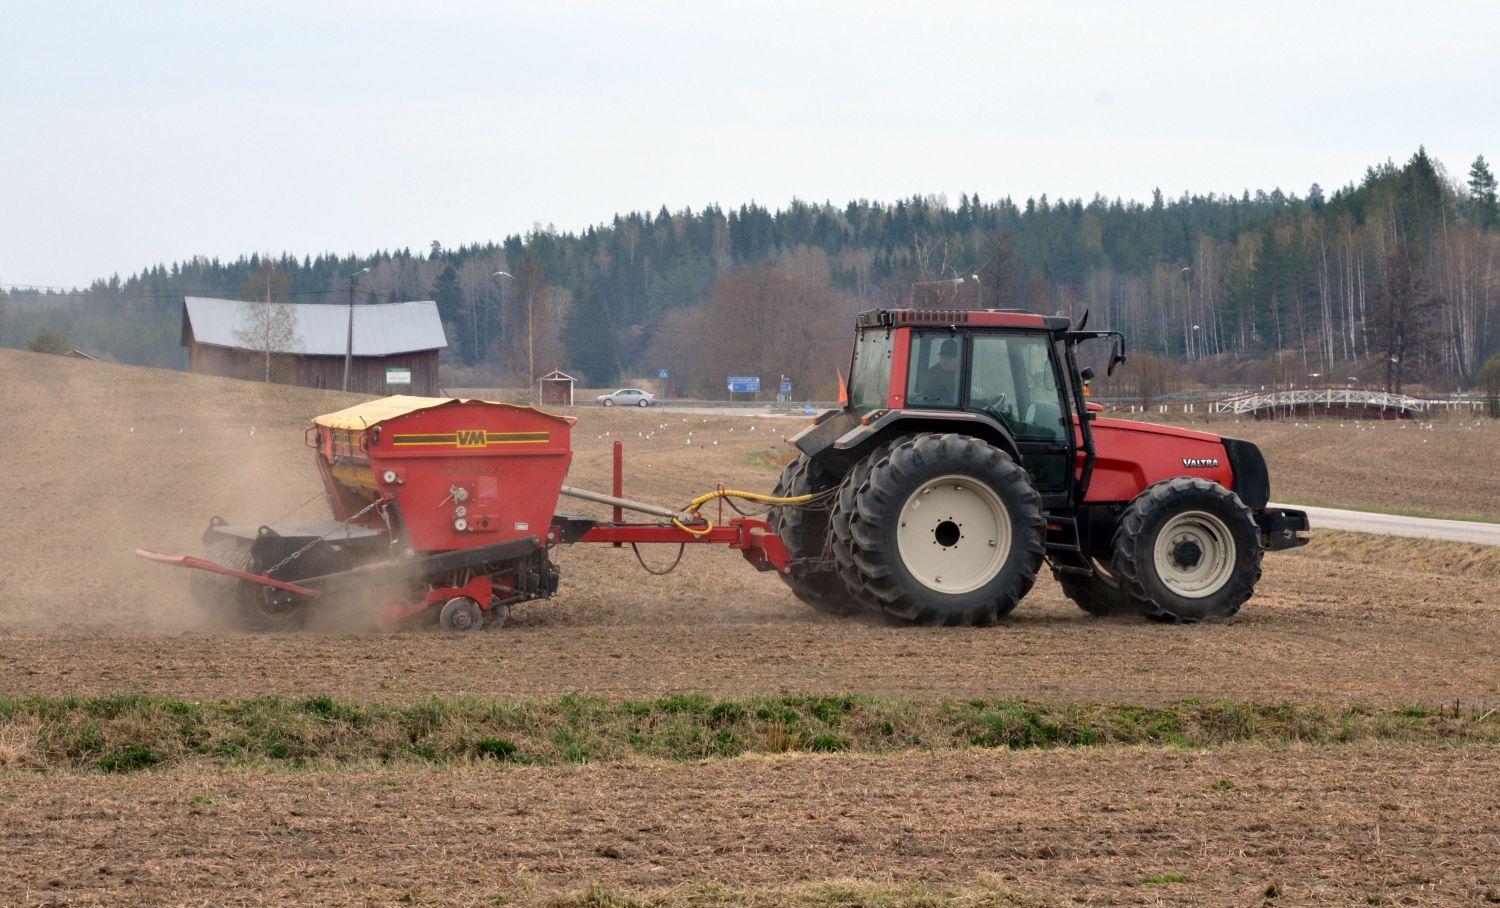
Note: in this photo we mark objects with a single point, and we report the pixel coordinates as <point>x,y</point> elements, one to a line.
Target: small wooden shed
<point>556,388</point>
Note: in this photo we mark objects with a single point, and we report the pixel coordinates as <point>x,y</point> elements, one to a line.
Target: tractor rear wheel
<point>843,517</point>
<point>220,595</point>
<point>1188,550</point>
<point>804,530</point>
<point>1099,594</point>
<point>946,530</point>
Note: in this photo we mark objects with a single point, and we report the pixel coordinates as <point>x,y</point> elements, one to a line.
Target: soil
<point>102,459</point>
<point>1318,630</point>
<point>1333,825</point>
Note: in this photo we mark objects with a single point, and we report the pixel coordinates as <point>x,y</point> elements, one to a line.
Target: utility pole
<point>349,338</point>
<point>508,276</point>
<point>268,326</point>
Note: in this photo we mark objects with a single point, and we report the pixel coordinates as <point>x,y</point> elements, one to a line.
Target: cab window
<point>870,375</point>
<point>1013,379</point>
<point>935,370</point>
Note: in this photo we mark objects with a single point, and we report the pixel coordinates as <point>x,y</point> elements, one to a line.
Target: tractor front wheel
<point>1188,550</point>
<point>946,530</point>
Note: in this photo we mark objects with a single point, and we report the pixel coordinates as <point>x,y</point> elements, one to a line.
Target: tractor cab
<point>1008,376</point>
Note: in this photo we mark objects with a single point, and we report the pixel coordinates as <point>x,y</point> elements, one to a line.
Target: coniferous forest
<point>1391,281</point>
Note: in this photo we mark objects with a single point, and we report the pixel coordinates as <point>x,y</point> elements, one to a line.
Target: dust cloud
<point>103,459</point>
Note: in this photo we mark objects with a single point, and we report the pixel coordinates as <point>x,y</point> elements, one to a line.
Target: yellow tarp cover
<point>362,416</point>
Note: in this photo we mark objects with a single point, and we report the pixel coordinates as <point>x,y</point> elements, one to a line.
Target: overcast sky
<point>136,133</point>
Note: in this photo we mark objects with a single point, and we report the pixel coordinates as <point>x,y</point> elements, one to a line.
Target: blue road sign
<point>744,384</point>
<point>786,388</point>
<point>661,373</point>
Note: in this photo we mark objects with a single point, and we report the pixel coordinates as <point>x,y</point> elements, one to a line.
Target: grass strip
<point>831,894</point>
<point>130,733</point>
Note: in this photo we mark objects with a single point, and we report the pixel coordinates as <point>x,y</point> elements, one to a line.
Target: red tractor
<point>966,454</point>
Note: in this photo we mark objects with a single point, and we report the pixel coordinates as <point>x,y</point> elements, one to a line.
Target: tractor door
<point>1014,377</point>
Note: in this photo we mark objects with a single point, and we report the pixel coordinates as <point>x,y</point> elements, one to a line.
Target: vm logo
<point>471,438</point>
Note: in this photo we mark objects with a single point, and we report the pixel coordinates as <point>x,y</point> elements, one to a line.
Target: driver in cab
<point>939,383</point>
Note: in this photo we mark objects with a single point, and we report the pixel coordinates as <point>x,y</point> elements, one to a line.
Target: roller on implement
<point>964,454</point>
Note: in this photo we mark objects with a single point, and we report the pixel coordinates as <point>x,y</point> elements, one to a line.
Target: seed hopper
<point>443,508</point>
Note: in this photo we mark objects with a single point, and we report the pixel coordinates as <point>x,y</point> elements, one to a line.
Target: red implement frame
<point>755,539</point>
<point>203,564</point>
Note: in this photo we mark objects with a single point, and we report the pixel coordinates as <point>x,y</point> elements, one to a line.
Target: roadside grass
<point>1398,511</point>
<point>121,734</point>
<point>1463,559</point>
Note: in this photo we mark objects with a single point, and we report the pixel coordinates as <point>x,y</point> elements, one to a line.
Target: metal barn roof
<point>380,329</point>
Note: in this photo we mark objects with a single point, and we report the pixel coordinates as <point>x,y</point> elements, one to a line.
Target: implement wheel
<point>946,531</point>
<point>461,614</point>
<point>804,530</point>
<point>248,605</point>
<point>1188,550</point>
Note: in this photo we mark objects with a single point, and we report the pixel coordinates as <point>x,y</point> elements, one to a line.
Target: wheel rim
<point>954,534</point>
<point>1194,554</point>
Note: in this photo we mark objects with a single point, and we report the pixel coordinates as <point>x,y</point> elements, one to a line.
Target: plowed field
<point>102,459</point>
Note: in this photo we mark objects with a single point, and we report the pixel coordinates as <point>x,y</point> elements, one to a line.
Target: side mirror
<point>1086,373</point>
<point>1116,356</point>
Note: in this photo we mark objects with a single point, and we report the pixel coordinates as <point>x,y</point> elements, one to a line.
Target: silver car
<point>628,397</point>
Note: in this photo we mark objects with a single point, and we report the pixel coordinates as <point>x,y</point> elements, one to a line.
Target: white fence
<point>1327,399</point>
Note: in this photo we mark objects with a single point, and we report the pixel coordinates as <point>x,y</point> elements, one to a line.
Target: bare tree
<point>267,329</point>
<point>267,326</point>
<point>1404,306</point>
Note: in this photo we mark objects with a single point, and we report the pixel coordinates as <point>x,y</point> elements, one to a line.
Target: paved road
<point>1397,525</point>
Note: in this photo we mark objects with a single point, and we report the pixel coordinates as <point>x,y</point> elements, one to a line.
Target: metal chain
<point>300,552</point>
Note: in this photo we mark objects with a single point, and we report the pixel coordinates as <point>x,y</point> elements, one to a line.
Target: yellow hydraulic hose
<point>701,500</point>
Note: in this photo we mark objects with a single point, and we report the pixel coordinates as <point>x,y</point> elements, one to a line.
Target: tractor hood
<point>1148,428</point>
<point>1134,455</point>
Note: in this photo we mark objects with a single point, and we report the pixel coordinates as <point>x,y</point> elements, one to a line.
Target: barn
<point>396,345</point>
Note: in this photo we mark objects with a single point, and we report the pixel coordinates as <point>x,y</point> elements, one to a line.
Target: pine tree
<point>1482,194</point>
<point>449,297</point>
<point>590,337</point>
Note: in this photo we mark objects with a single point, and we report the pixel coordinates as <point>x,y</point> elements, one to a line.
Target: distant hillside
<point>1392,278</point>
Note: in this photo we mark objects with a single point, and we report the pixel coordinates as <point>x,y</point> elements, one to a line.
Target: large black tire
<point>843,517</point>
<point>805,532</point>
<point>1210,552</point>
<point>1097,594</point>
<point>242,602</point>
<point>988,579</point>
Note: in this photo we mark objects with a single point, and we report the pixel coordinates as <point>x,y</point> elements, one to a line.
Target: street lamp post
<point>349,337</point>
<point>508,275</point>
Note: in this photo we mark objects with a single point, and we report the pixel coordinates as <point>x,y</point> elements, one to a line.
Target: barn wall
<point>366,373</point>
